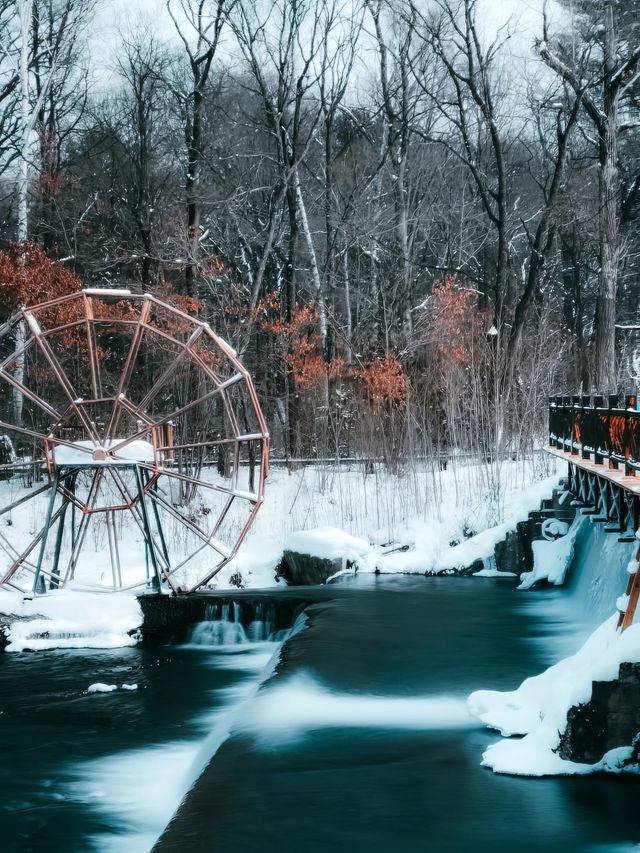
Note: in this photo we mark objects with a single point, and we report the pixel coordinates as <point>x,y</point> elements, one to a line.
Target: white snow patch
<point>622,602</point>
<point>99,687</point>
<point>493,573</point>
<point>551,559</point>
<point>70,619</point>
<point>11,603</point>
<point>422,512</point>
<point>431,551</point>
<point>82,452</point>
<point>554,528</point>
<point>330,543</point>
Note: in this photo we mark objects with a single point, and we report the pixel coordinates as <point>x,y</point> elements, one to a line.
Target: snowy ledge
<point>70,619</point>
<point>539,708</point>
<point>419,551</point>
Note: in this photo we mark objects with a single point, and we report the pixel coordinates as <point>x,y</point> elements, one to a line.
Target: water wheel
<point>133,451</point>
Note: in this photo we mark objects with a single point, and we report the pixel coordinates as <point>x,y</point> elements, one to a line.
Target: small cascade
<point>489,563</point>
<point>234,623</point>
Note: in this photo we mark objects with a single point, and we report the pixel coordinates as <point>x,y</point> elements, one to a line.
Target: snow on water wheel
<point>133,451</point>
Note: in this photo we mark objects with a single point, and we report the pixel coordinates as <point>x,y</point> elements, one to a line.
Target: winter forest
<point>413,220</point>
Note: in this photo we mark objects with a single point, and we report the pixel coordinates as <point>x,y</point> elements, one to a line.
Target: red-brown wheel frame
<point>121,414</point>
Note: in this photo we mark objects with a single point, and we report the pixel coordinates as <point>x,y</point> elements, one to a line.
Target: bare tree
<point>473,110</point>
<point>9,82</point>
<point>143,69</point>
<point>59,68</point>
<point>400,103</point>
<point>281,44</point>
<point>601,87</point>
<point>199,26</point>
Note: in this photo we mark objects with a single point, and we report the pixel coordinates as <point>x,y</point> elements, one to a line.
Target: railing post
<point>611,431</point>
<point>585,402</point>
<point>598,403</point>
<point>632,436</point>
<point>630,403</point>
<point>575,426</point>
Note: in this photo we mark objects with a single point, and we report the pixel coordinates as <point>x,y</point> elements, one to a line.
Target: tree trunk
<point>25,11</point>
<point>605,354</point>
<point>191,190</point>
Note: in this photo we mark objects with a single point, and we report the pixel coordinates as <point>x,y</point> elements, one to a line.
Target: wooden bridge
<point>599,438</point>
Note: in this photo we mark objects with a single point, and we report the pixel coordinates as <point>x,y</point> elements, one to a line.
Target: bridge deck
<point>629,483</point>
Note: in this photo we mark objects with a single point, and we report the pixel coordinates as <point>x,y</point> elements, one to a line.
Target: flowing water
<point>358,740</point>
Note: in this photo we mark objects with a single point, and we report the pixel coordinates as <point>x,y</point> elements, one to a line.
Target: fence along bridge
<point>599,438</point>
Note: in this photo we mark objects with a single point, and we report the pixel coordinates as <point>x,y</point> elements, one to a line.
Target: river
<point>359,741</point>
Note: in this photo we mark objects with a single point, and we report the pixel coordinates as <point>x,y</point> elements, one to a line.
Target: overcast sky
<point>525,17</point>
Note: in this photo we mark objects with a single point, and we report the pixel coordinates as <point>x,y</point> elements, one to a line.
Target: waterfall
<point>235,623</point>
<point>598,572</point>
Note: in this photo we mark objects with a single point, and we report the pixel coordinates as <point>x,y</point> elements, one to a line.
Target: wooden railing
<point>604,429</point>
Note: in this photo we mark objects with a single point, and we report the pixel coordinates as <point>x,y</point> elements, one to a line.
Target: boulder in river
<point>315,556</point>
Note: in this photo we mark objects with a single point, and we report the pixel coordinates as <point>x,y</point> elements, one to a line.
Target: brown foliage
<point>384,380</point>
<point>452,311</point>
<point>29,276</point>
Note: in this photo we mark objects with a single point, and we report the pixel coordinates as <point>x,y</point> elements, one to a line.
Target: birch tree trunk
<point>25,11</point>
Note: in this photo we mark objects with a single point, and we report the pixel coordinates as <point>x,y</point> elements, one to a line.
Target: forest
<point>414,221</point>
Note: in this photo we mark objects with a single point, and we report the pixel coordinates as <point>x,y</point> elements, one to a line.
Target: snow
<point>331,543</point>
<point>11,603</point>
<point>493,573</point>
<point>70,619</point>
<point>442,519</point>
<point>82,452</point>
<point>622,603</point>
<point>106,291</point>
<point>367,519</point>
<point>99,687</point>
<point>553,528</point>
<point>551,559</point>
<point>429,553</point>
<point>538,708</point>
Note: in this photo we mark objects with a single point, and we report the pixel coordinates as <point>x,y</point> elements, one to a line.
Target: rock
<point>609,720</point>
<point>313,556</point>
<point>305,570</point>
<point>5,624</point>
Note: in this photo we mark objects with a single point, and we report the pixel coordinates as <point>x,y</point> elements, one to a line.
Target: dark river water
<point>359,741</point>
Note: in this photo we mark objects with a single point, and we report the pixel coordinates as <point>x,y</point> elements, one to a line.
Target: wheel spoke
<point>26,498</point>
<point>205,537</point>
<point>214,487</point>
<point>175,414</point>
<point>61,378</point>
